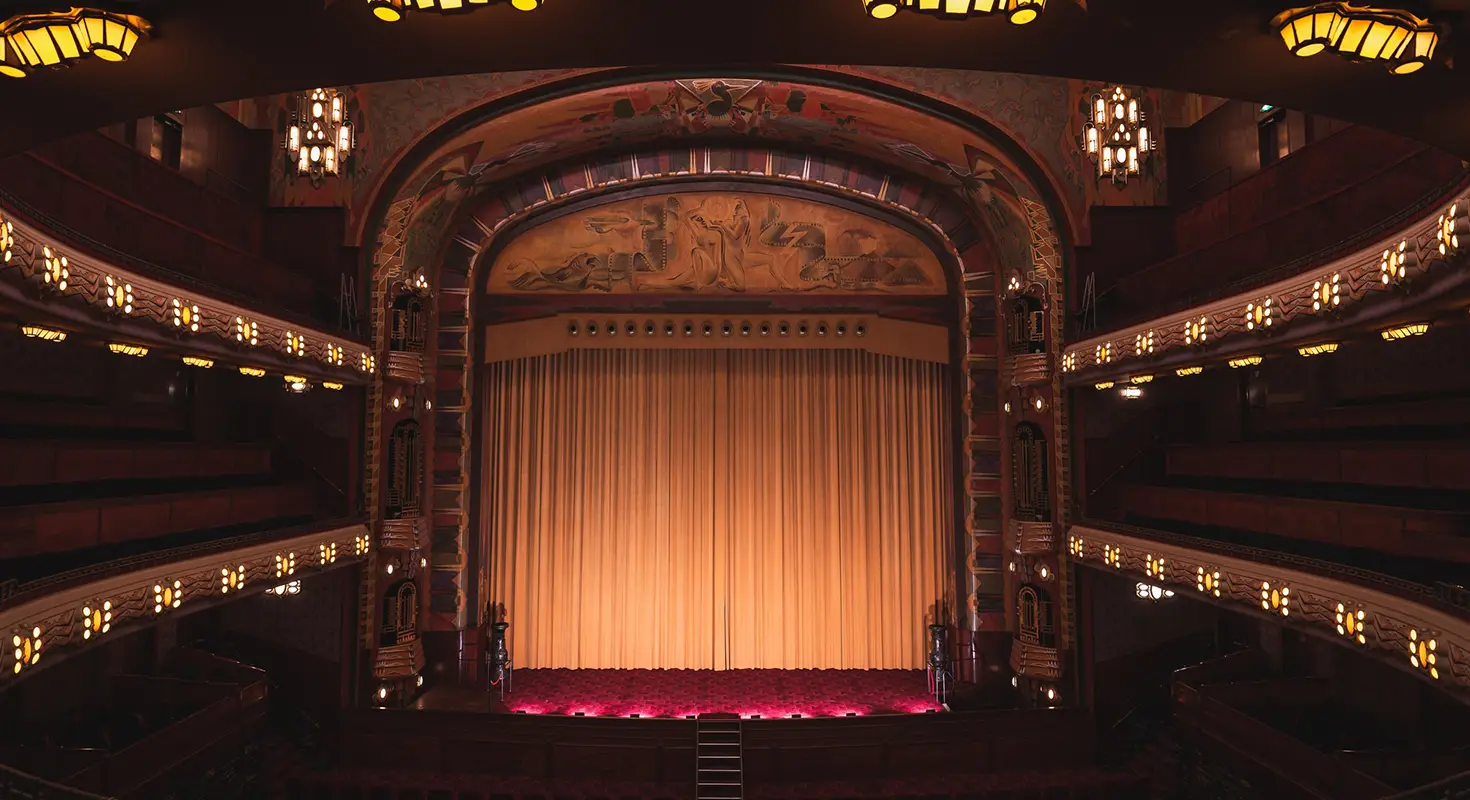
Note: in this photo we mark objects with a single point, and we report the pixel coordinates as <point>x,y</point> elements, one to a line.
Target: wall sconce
<point>296,384</point>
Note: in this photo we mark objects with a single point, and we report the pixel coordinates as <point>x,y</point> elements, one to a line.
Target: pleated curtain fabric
<point>717,509</point>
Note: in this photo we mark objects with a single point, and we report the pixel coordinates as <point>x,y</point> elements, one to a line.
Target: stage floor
<point>769,693</point>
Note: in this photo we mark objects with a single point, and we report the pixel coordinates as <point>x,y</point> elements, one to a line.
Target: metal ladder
<point>719,774</point>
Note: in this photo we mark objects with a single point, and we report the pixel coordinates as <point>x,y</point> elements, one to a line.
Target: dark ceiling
<point>210,51</point>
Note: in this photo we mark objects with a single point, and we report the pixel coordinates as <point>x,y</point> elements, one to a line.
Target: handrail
<point>17,785</point>
<point>1444,597</point>
<point>81,575</point>
<point>1455,787</point>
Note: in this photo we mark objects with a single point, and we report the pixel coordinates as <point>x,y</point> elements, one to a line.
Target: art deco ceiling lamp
<point>1400,40</point>
<point>1115,137</point>
<point>1019,12</point>
<point>320,137</point>
<point>61,38</point>
<point>392,10</point>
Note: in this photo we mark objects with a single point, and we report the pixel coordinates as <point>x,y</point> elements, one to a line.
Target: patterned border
<point>1240,323</point>
<point>939,210</point>
<point>79,289</point>
<point>55,622</point>
<point>1431,643</point>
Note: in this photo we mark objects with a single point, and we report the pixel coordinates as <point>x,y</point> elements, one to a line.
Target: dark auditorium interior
<point>919,400</point>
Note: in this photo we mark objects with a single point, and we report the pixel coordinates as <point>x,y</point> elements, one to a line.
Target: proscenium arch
<point>410,169</point>
<point>449,268</point>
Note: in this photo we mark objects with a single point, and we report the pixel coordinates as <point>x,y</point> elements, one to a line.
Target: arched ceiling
<point>212,52</point>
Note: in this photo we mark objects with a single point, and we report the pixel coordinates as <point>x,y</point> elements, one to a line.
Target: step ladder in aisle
<point>718,752</point>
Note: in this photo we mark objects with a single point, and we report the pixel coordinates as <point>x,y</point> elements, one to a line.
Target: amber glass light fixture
<point>1019,12</point>
<point>319,139</point>
<point>1396,38</point>
<point>1115,137</point>
<point>393,10</point>
<point>61,38</point>
<point>44,334</point>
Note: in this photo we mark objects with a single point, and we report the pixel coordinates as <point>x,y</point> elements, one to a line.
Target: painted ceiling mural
<point>1039,113</point>
<point>716,242</point>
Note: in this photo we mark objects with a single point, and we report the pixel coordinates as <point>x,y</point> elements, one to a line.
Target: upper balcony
<point>1241,221</point>
<point>186,213</point>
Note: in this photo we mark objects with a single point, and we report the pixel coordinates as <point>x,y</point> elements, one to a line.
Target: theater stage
<point>766,693</point>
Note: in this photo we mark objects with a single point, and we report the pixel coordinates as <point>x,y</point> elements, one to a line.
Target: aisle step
<point>719,772</point>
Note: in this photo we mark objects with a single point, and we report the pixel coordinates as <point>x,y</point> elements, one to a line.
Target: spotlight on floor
<point>850,714</point>
<point>690,716</point>
<point>796,716</point>
<point>632,716</point>
<point>931,710</point>
<point>578,714</point>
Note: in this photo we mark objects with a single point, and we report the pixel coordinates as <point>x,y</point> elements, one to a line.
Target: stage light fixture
<point>62,38</point>
<point>1402,41</point>
<point>1018,12</point>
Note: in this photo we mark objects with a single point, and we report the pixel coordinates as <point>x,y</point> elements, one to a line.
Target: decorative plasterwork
<point>1347,286</point>
<point>1035,661</point>
<point>93,295</point>
<point>1031,538</point>
<point>404,534</point>
<point>1028,368</point>
<point>1400,622</point>
<point>54,623</point>
<point>404,366</point>
<point>399,661</point>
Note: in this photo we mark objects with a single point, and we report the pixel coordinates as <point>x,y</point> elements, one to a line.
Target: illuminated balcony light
<point>1038,403</point>
<point>1394,266</point>
<point>1185,372</point>
<point>285,564</point>
<point>1018,12</point>
<point>327,553</point>
<point>1422,653</point>
<point>7,239</point>
<point>118,295</point>
<point>1103,385</point>
<point>1325,348</point>
<point>231,580</point>
<point>1245,361</point>
<point>1076,546</point>
<point>1273,599</point>
<point>61,38</point>
<point>1148,591</point>
<point>1258,315</point>
<point>27,649</point>
<point>1197,331</point>
<point>297,384</point>
<point>96,619</point>
<point>1103,354</point>
<point>55,270</point>
<point>167,596</point>
<point>1207,582</point>
<point>367,363</point>
<point>1141,379</point>
<point>1154,567</point>
<point>186,316</point>
<point>247,332</point>
<point>1069,362</point>
<point>392,10</point>
<point>1405,43</point>
<point>295,344</point>
<point>1350,623</point>
<point>333,354</point>
<point>1113,556</point>
<point>135,350</point>
<point>1324,294</point>
<point>1130,392</point>
<point>361,544</point>
<point>1453,223</point>
<point>294,587</point>
<point>44,334</point>
<point>198,361</point>
<point>1404,332</point>
<point>1143,344</point>
<point>252,372</point>
<point>332,385</point>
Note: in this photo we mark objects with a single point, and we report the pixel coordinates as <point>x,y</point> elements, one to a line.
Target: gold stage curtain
<point>718,509</point>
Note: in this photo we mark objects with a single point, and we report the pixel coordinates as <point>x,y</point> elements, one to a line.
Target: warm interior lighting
<point>1185,372</point>
<point>1453,223</point>
<point>392,10</point>
<point>332,385</point>
<point>1322,349</point>
<point>1140,379</point>
<point>198,361</point>
<point>1246,361</point>
<point>1148,591</point>
<point>1404,332</point>
<point>1324,293</point>
<point>1130,392</point>
<point>186,316</point>
<point>1103,385</point>
<point>1115,138</point>
<point>252,372</point>
<point>61,38</point>
<point>1422,653</point>
<point>296,384</point>
<point>44,334</point>
<point>137,351</point>
<point>320,137</point>
<point>1397,38</point>
<point>1351,623</point>
<point>1019,12</point>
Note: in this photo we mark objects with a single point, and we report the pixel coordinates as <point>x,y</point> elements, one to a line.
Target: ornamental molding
<point>399,661</point>
<point>1347,291</point>
<point>405,533</point>
<point>1395,620</point>
<point>53,625</point>
<point>92,296</point>
<point>1035,661</point>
